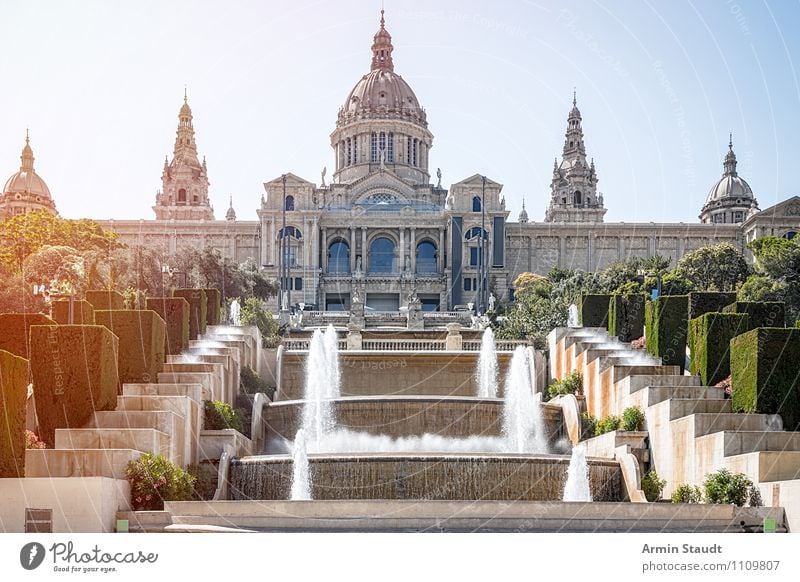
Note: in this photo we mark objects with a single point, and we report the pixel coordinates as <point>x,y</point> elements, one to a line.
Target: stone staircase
<point>691,429</point>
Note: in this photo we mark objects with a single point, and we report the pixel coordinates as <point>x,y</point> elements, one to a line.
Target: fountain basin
<point>402,416</point>
<point>434,476</point>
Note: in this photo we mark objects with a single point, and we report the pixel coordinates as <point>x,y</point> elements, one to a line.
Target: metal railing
<point>406,344</point>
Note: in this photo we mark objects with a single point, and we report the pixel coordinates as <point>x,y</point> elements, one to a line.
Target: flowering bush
<point>154,480</point>
<point>32,441</point>
<point>725,385</point>
<point>638,343</point>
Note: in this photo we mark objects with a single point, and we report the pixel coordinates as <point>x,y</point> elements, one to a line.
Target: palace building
<point>383,230</point>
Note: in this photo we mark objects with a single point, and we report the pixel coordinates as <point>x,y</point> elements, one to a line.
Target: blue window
<point>426,257</point>
<point>290,203</point>
<point>476,204</point>
<point>381,256</point>
<point>339,257</point>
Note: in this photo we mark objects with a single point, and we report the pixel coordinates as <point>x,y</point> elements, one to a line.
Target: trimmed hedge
<point>141,334</point>
<point>762,313</point>
<point>198,305</point>
<point>626,317</point>
<point>213,299</point>
<point>667,329</point>
<point>765,376</point>
<point>106,299</point>
<point>708,302</point>
<point>175,312</point>
<point>15,331</point>
<point>74,374</point>
<point>13,403</point>
<point>82,312</point>
<point>709,341</point>
<point>593,310</point>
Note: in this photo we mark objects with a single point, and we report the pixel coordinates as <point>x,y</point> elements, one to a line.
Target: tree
<point>536,312</point>
<point>777,258</point>
<point>713,268</point>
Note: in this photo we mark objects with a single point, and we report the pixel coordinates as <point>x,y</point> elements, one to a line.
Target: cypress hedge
<point>762,313</point>
<point>74,374</point>
<point>708,302</point>
<point>198,305</point>
<point>13,403</point>
<point>141,334</point>
<point>15,331</point>
<point>626,317</point>
<point>765,376</point>
<point>175,312</point>
<point>709,342</point>
<point>105,299</point>
<point>667,329</point>
<point>593,310</point>
<point>82,312</point>
<point>213,299</point>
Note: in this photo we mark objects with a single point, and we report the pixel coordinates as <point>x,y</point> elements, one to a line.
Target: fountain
<point>236,309</point>
<point>522,417</point>
<point>577,485</point>
<point>320,387</point>
<point>487,366</point>
<point>572,317</point>
<point>301,473</point>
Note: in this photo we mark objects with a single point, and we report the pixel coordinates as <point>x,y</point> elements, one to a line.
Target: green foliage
<point>32,441</point>
<point>632,419</point>
<point>667,329</point>
<point>142,335</point>
<point>13,405</point>
<point>205,479</point>
<point>709,342</point>
<point>777,258</point>
<point>764,374</point>
<point>252,383</point>
<point>571,384</point>
<point>534,315</point>
<point>82,312</point>
<point>760,313</point>
<point>687,494</point>
<point>220,415</point>
<point>526,283</point>
<point>593,310</point>
<point>588,425</point>
<point>15,336</point>
<point>253,312</point>
<point>675,283</point>
<point>714,268</point>
<point>728,488</point>
<point>708,302</point>
<point>133,298</point>
<point>175,313</point>
<point>212,306</point>
<point>626,316</point>
<point>652,486</point>
<point>154,480</point>
<point>198,305</point>
<point>105,299</point>
<point>608,424</point>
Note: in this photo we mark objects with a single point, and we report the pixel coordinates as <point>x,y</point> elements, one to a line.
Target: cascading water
<point>301,473</point>
<point>236,311</point>
<point>523,425</point>
<point>577,485</point>
<point>318,410</point>
<point>331,344</point>
<point>487,366</point>
<point>572,316</point>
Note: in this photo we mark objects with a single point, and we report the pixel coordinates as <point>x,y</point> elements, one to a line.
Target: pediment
<point>789,208</point>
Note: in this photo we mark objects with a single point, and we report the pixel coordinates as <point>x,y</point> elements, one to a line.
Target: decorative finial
<point>523,204</point>
<point>185,96</point>
<point>574,97</point>
<point>730,141</point>
<point>231,202</point>
<point>27,136</point>
<point>383,22</point>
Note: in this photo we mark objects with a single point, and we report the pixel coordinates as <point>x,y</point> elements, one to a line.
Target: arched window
<point>426,257</point>
<point>290,202</point>
<point>790,235</point>
<point>475,232</point>
<point>374,148</point>
<point>476,204</point>
<point>182,195</point>
<point>381,256</point>
<point>339,257</point>
<point>390,148</point>
<point>291,248</point>
<point>578,197</point>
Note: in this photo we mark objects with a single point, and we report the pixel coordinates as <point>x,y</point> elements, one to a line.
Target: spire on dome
<point>523,216</point>
<point>231,214</point>
<point>27,155</point>
<point>382,48</point>
<point>730,159</point>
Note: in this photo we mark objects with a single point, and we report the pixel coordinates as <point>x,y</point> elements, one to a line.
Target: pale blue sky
<point>660,85</point>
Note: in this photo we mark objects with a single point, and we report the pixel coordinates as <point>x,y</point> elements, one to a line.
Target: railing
<point>499,345</point>
<point>294,344</point>
<point>409,344</point>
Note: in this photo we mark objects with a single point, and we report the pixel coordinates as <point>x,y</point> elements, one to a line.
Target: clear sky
<point>659,84</point>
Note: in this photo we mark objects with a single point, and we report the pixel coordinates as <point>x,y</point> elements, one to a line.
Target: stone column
<point>273,251</point>
<point>453,341</point>
<point>413,249</point>
<point>402,260</point>
<point>364,249</point>
<point>440,259</point>
<point>354,339</point>
<point>352,249</point>
<point>324,243</point>
<point>314,246</point>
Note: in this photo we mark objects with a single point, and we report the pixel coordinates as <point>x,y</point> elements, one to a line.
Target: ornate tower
<point>573,190</point>
<point>184,180</point>
<point>25,190</point>
<point>731,199</point>
<point>381,124</point>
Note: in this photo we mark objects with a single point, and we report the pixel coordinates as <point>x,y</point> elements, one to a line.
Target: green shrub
<point>213,299</point>
<point>764,373</point>
<point>687,494</point>
<point>570,384</point>
<point>652,486</point>
<point>726,487</point>
<point>205,484</point>
<point>667,329</point>
<point>198,305</point>
<point>175,313</point>
<point>141,334</point>
<point>626,317</point>
<point>133,298</point>
<point>82,312</point>
<point>709,342</point>
<point>608,424</point>
<point>252,383</point>
<point>762,313</point>
<point>15,334</point>
<point>708,302</point>
<point>154,480</point>
<point>13,404</point>
<point>632,418</point>
<point>105,299</point>
<point>588,425</point>
<point>220,415</point>
<point>74,369</point>
<point>253,312</point>
<point>593,310</point>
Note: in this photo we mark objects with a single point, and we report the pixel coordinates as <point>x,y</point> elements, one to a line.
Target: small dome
<point>729,187</point>
<point>26,180</point>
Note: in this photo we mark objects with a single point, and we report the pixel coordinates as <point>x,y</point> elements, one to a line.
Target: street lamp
<point>482,266</point>
<point>283,267</point>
